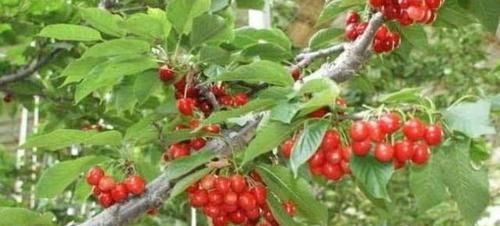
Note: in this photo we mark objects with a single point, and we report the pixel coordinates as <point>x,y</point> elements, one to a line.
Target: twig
<point>209,95</point>
<point>304,59</point>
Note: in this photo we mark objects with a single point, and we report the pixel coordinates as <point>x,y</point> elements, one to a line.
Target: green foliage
<point>65,137</point>
<point>372,175</point>
<point>261,71</point>
<point>24,217</point>
<point>70,32</point>
<point>307,143</point>
<point>472,119</point>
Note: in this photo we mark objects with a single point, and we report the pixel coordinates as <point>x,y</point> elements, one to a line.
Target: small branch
<point>209,95</point>
<point>30,69</point>
<point>304,59</point>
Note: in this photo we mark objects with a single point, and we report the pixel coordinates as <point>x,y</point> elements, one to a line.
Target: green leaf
<point>307,144</point>
<point>426,179</point>
<point>117,47</point>
<point>146,84</point>
<point>78,69</point>
<point>250,4</point>
<point>404,95</point>
<point>218,5</point>
<point>155,29</point>
<point>62,138</point>
<point>281,182</point>
<point>325,37</point>
<point>495,102</point>
<point>70,32</point>
<point>143,129</point>
<point>335,7</point>
<point>182,135</point>
<point>472,119</point>
<point>247,36</point>
<point>112,72</point>
<point>468,186</point>
<point>82,191</point>
<point>278,211</point>
<point>103,21</point>
<point>214,55</point>
<point>182,12</point>
<point>184,165</point>
<point>324,92</point>
<point>414,35</point>
<point>452,15</point>
<point>269,136</point>
<point>56,178</point>
<point>285,112</point>
<point>267,51</point>
<point>212,29</point>
<point>256,105</point>
<point>123,99</point>
<point>187,181</point>
<point>487,12</point>
<point>372,175</point>
<point>24,217</point>
<point>260,71</point>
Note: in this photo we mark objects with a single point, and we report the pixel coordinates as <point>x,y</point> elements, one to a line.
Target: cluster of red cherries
<point>408,12</point>
<point>189,96</point>
<point>384,41</point>
<point>234,199</point>
<point>108,192</point>
<point>373,137</point>
<point>185,148</point>
<point>331,160</point>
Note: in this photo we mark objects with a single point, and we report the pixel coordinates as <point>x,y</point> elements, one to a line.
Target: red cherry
<point>8,98</point>
<point>295,72</point>
<point>352,18</point>
<point>384,152</point>
<point>219,90</point>
<point>350,32</point>
<point>361,148</point>
<point>214,128</point>
<point>208,182</point>
<point>226,100</point>
<point>319,113</point>
<point>395,39</point>
<point>346,152</point>
<point>260,194</point>
<point>215,198</point>
<point>240,99</point>
<point>378,46</point>
<point>414,129</point>
<point>106,184</point>
<point>212,211</point>
<point>398,165</point>
<point>180,86</point>
<point>331,140</point>
<point>405,19</point>
<point>119,193</point>
<point>198,143</point>
<point>96,191</point>
<point>376,3</point>
<point>199,198</point>
<point>247,201</point>
<point>269,216</point>
<point>316,170</point>
<point>433,135</point>
<point>431,18</point>
<point>361,27</point>
<point>135,185</point>
<point>375,132</point>
<point>382,32</point>
<point>252,214</point>
<point>105,200</point>
<point>416,13</point>
<point>94,175</point>
<point>333,156</point>
<point>290,208</point>
<point>206,107</point>
<point>185,106</point>
<point>255,176</point>
<point>230,208</point>
<point>238,183</point>
<point>222,185</point>
<point>287,147</point>
<point>389,123</point>
<point>433,4</point>
<point>220,220</point>
<point>179,150</point>
<point>345,166</point>
<point>238,217</point>
<point>359,131</point>
<point>403,151</point>
<point>318,159</point>
<point>421,155</point>
<point>166,73</point>
<point>193,188</point>
<point>332,171</point>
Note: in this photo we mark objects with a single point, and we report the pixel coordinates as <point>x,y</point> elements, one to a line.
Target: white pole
<point>260,18</point>
<point>20,154</point>
<point>34,157</point>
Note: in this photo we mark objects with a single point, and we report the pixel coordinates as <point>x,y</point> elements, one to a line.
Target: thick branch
<point>30,69</point>
<point>158,190</point>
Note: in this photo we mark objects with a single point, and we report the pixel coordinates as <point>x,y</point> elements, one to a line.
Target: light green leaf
<point>143,129</point>
<point>62,138</point>
<point>182,12</point>
<point>187,181</point>
<point>414,35</point>
<point>278,212</point>
<point>372,175</point>
<point>403,95</point>
<point>425,179</point>
<point>117,47</point>
<point>219,5</point>
<point>281,182</point>
<point>78,69</point>
<point>267,51</point>
<point>186,164</point>
<point>285,112</point>
<point>24,217</point>
<point>487,12</point>
<point>269,136</point>
<point>452,15</point>
<point>103,21</point>
<point>181,135</point>
<point>472,119</point>
<point>325,37</point>
<point>147,26</point>
<point>256,105</point>
<point>146,84</point>
<point>260,71</point>
<point>70,32</point>
<point>308,143</point>
<point>212,29</point>
<point>123,98</point>
<point>56,178</point>
<point>247,36</point>
<point>82,191</point>
<point>214,55</point>
<point>324,92</point>
<point>250,4</point>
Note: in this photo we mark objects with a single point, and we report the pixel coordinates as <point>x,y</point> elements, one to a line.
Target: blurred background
<point>456,62</point>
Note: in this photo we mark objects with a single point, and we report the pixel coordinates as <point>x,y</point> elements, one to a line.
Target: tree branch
<point>304,59</point>
<point>30,69</point>
<point>342,69</point>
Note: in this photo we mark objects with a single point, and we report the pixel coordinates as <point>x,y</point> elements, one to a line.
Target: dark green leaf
<point>250,4</point>
<point>308,143</point>
<point>146,84</point>
<point>278,212</point>
<point>487,12</point>
<point>214,55</point>
<point>187,181</point>
<point>267,51</point>
<point>425,179</point>
<point>335,7</point>
<point>62,138</point>
<point>70,32</point>
<point>260,71</point>
<point>247,36</point>
<point>372,175</point>
<point>256,105</point>
<point>209,28</point>
<point>184,165</point>
<point>117,47</point>
<point>182,12</point>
